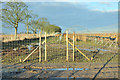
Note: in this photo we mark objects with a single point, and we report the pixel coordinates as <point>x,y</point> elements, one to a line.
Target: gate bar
<point>73,45</point>
<point>67,45</point>
<point>40,47</point>
<point>45,47</point>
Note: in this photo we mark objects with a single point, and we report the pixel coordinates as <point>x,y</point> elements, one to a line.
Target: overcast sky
<point>77,16</point>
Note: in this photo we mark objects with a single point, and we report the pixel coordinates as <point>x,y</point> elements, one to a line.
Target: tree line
<point>14,13</point>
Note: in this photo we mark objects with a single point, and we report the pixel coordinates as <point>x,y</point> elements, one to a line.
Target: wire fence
<point>57,48</point>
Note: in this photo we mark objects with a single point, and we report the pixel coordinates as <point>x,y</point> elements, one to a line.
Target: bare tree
<point>38,24</point>
<point>43,23</point>
<point>33,23</point>
<point>12,14</point>
<point>27,20</point>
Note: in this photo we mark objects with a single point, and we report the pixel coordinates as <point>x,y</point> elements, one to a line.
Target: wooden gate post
<point>40,47</point>
<point>45,47</point>
<point>73,44</point>
<point>67,45</point>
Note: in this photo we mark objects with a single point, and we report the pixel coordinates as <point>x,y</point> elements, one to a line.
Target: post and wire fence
<point>56,48</point>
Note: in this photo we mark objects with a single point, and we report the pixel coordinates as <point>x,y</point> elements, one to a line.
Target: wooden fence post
<point>73,44</point>
<point>67,45</point>
<point>40,47</point>
<point>45,47</point>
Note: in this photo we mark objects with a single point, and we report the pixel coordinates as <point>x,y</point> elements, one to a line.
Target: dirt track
<point>109,71</point>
